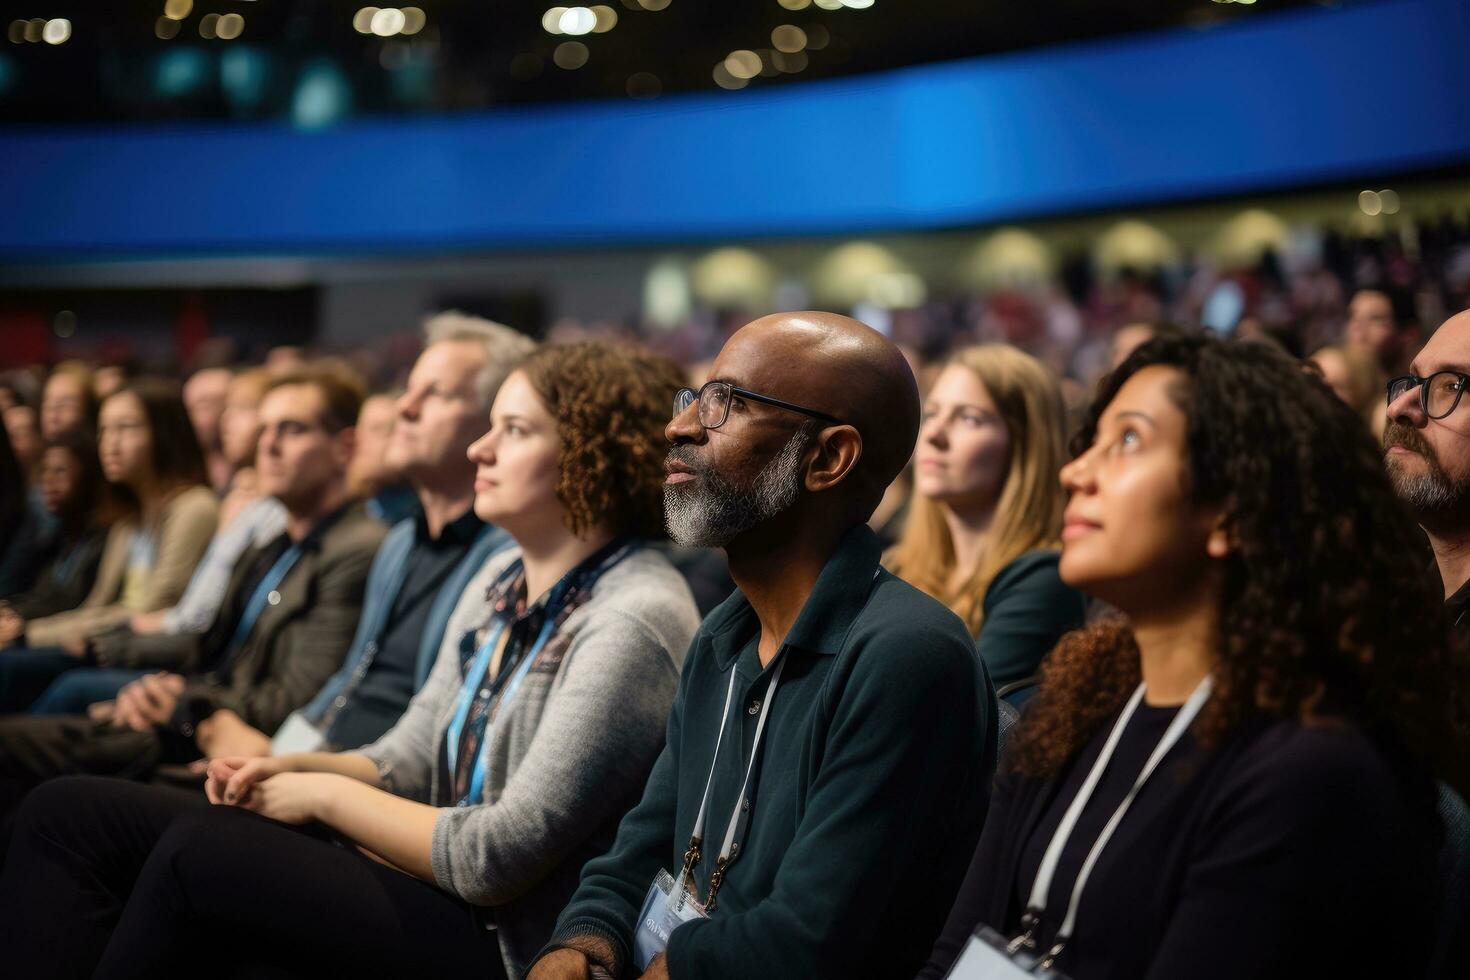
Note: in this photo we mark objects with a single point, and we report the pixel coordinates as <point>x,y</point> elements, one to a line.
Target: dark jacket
<point>877,760</point>
<point>1027,610</point>
<point>1288,852</point>
<point>294,646</point>
<point>65,580</point>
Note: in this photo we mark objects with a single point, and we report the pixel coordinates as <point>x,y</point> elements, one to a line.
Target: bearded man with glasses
<point>1427,454</point>
<point>832,743</point>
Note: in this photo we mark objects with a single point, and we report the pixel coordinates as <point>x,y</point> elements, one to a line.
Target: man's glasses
<point>1439,393</point>
<point>714,403</point>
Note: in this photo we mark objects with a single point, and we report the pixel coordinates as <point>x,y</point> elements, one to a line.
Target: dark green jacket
<point>1027,610</point>
<point>869,797</point>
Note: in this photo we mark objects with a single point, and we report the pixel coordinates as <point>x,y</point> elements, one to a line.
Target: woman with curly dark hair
<point>1236,780</point>
<point>468,822</point>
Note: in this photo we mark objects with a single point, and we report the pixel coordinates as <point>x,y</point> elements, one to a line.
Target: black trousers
<point>137,881</point>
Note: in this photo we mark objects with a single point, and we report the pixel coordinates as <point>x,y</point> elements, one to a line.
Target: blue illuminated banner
<point>1276,101</point>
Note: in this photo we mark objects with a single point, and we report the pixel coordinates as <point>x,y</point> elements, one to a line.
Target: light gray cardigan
<point>567,756</point>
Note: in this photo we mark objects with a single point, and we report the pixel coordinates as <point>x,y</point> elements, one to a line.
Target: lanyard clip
<point>1027,939</point>
<point>1051,955</point>
<point>715,879</point>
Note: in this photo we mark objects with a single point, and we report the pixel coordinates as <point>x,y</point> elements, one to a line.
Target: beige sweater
<point>184,529</point>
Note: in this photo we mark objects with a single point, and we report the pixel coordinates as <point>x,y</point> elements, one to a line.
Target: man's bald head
<point>834,364</point>
<point>1427,459</point>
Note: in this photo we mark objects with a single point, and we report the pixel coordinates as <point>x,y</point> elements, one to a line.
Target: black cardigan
<point>1288,852</point>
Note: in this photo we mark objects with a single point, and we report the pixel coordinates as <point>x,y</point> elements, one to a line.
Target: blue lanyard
<point>256,605</point>
<point>475,676</point>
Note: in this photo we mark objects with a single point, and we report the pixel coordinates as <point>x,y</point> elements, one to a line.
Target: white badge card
<point>985,957</point>
<point>666,907</point>
<point>296,734</point>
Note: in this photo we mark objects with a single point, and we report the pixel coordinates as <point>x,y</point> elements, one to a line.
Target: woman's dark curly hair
<point>611,403</point>
<point>1328,601</point>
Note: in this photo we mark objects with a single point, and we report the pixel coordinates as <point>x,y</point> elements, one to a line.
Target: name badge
<point>666,907</point>
<point>987,956</point>
<point>296,734</point>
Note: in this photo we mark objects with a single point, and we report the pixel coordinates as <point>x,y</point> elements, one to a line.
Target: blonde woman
<point>984,524</point>
<point>1357,380</point>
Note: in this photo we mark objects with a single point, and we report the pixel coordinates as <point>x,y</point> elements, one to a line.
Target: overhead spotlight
<point>166,29</point>
<point>56,31</point>
<point>1370,203</point>
<point>209,26</point>
<point>1389,200</point>
<point>725,80</point>
<point>577,21</point>
<point>387,22</point>
<point>788,39</point>
<point>230,26</point>
<point>789,63</point>
<point>829,4</point>
<point>414,20</point>
<point>607,18</point>
<point>795,4</point>
<point>570,55</point>
<point>743,64</point>
<point>857,4</point>
<point>177,9</point>
<point>653,4</point>
<point>17,32</point>
<point>551,20</point>
<point>35,29</point>
<point>817,37</point>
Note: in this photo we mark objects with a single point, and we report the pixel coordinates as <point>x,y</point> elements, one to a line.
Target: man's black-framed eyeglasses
<point>714,403</point>
<point>1439,394</point>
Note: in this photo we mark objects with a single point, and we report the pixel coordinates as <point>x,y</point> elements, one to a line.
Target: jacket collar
<point>827,616</point>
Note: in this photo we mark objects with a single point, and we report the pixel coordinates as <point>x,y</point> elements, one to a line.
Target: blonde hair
<point>1028,512</point>
<point>1365,378</point>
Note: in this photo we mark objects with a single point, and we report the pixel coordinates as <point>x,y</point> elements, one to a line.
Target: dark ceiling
<point>305,60</point>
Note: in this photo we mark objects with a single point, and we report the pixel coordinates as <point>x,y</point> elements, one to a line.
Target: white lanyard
<point>696,837</point>
<point>1048,869</point>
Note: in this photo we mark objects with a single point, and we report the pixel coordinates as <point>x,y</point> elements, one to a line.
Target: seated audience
<point>389,498</point>
<point>471,817</point>
<point>1427,454</point>
<point>1355,378</point>
<point>69,480</point>
<point>292,607</point>
<point>986,515</point>
<point>854,688</point>
<point>1236,780</point>
<point>148,453</point>
<point>204,396</point>
<point>426,560</point>
<point>68,400</point>
<point>1383,324</point>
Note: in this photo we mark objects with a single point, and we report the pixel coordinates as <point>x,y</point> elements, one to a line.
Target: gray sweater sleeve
<point>602,728</point>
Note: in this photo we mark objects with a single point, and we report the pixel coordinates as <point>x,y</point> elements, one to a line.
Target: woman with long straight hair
<point>984,522</point>
<point>155,468</point>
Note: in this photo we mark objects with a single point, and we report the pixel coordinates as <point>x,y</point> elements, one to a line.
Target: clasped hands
<point>270,787</point>
<point>143,705</point>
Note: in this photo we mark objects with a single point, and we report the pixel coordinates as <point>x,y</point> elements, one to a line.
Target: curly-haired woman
<point>1236,781</point>
<point>466,825</point>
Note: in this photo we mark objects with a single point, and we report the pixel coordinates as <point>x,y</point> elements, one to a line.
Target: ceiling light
<point>653,4</point>
<point>795,4</point>
<point>56,31</point>
<point>177,9</point>
<point>414,20</point>
<point>166,29</point>
<point>829,4</point>
<point>1370,203</point>
<point>725,80</point>
<point>208,26</point>
<point>17,33</point>
<point>788,38</point>
<point>817,37</point>
<point>577,21</point>
<point>790,63</point>
<point>570,55</point>
<point>551,20</point>
<point>35,29</point>
<point>857,4</point>
<point>607,18</point>
<point>230,27</point>
<point>743,64</point>
<point>362,21</point>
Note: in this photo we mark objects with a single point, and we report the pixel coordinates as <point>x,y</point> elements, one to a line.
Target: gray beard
<point>711,512</point>
<point>1428,494</point>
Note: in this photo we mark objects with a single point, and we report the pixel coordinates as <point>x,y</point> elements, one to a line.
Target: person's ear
<point>836,453</point>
